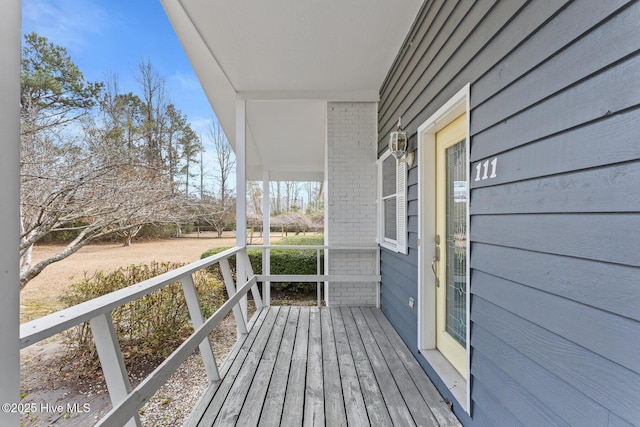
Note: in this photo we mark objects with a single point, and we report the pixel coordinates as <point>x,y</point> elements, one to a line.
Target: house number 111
<point>482,169</point>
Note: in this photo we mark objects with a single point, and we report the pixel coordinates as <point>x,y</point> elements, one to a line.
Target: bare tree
<point>275,190</point>
<point>225,165</point>
<point>225,160</point>
<point>155,102</point>
<point>79,176</point>
<point>292,194</point>
<point>314,196</point>
<point>255,196</point>
<point>201,169</point>
<point>209,210</point>
<point>69,188</point>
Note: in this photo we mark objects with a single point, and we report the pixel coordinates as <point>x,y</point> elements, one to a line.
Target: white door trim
<point>455,107</point>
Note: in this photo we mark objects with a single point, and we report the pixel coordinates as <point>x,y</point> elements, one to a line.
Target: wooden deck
<point>322,367</point>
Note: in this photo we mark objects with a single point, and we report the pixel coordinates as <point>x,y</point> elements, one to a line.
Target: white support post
<point>231,290</point>
<point>241,175</point>
<point>110,355</point>
<point>241,193</point>
<point>266,236</point>
<point>195,311</point>
<point>9,209</point>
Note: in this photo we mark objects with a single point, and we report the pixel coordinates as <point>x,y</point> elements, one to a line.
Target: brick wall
<point>351,217</point>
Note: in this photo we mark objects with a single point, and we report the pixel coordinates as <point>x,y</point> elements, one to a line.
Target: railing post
<point>266,270</point>
<point>377,272</point>
<point>327,271</point>
<point>241,278</point>
<point>257,299</point>
<point>112,362</point>
<point>231,290</point>
<point>195,311</point>
<point>318,284</point>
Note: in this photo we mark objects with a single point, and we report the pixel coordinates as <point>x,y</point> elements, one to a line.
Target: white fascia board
<point>328,95</point>
<point>213,79</point>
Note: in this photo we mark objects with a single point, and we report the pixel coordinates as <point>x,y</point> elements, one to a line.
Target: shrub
<point>283,261</point>
<point>148,328</point>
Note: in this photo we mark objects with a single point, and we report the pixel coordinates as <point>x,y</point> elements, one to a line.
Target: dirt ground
<point>40,296</point>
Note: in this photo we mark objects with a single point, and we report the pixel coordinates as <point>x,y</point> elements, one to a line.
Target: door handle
<point>433,268</point>
<point>435,260</point>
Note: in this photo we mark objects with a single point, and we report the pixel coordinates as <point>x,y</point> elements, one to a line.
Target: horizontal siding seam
<point>547,292</point>
<point>517,46</point>
<point>553,253</point>
<point>453,76</point>
<point>567,339</point>
<point>406,45</point>
<point>532,402</point>
<point>388,105</point>
<point>601,166</point>
<point>535,364</point>
<point>391,96</point>
<point>555,53</point>
<point>560,132</point>
<point>556,93</point>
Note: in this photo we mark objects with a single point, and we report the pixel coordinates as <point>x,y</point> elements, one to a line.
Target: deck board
<point>250,414</point>
<point>322,366</point>
<point>412,397</point>
<point>377,411</point>
<point>400,414</point>
<point>292,412</point>
<point>314,390</point>
<point>356,411</point>
<point>334,410</point>
<point>274,401</point>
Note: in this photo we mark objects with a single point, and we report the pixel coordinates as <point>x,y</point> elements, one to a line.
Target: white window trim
<point>400,245</point>
<point>460,388</point>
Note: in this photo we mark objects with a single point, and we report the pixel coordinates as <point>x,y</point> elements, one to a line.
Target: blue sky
<point>114,36</point>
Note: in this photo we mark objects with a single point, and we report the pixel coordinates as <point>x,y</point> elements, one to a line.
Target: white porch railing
<point>127,401</point>
<point>266,277</point>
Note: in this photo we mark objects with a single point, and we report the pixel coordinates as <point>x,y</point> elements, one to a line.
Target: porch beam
<point>9,209</point>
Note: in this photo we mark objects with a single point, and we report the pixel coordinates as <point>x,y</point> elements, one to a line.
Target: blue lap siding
<point>555,236</point>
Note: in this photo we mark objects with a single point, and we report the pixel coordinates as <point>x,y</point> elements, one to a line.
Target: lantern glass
<point>398,144</point>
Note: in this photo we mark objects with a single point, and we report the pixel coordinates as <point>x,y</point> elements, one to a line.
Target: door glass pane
<point>456,243</point>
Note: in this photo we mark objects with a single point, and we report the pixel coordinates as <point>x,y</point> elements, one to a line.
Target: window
<point>392,195</point>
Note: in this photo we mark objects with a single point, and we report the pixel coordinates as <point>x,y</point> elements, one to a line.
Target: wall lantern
<point>398,145</point>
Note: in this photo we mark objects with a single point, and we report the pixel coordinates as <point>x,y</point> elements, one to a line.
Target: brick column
<point>351,195</point>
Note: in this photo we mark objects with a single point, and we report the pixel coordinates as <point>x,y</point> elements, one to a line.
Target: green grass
<point>314,239</point>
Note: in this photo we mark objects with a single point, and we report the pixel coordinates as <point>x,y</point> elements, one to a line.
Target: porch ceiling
<point>287,59</point>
